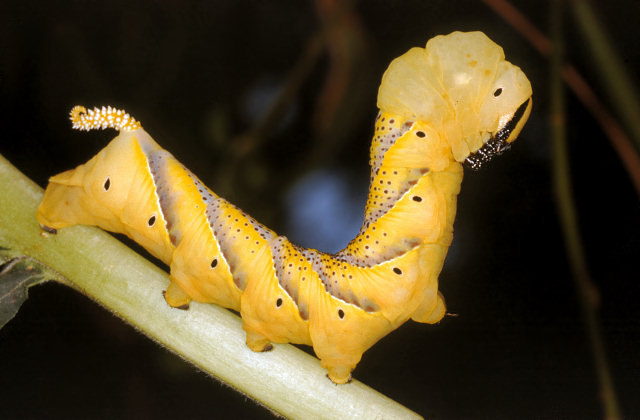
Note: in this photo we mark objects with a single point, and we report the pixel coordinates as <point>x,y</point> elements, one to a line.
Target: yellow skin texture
<point>433,114</point>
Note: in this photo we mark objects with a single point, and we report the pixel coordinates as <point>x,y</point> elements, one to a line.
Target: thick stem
<point>286,379</point>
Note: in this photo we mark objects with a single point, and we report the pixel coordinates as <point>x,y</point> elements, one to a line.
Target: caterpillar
<point>457,101</point>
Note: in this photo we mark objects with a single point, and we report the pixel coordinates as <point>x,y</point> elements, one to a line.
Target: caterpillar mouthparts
<point>494,147</point>
<point>501,141</point>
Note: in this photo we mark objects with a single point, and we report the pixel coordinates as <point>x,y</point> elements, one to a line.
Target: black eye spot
<point>397,270</point>
<point>341,313</point>
<point>107,184</point>
<point>497,92</point>
<point>420,133</point>
<point>279,302</point>
<point>214,263</point>
<point>417,198</point>
<point>152,220</point>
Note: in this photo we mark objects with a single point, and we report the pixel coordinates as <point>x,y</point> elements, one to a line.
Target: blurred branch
<point>249,141</point>
<point>344,42</point>
<point>348,87</point>
<point>619,85</point>
<point>252,139</point>
<point>612,128</point>
<point>340,36</point>
<point>587,293</point>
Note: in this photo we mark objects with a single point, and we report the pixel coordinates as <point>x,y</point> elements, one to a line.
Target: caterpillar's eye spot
<point>497,92</point>
<point>417,198</point>
<point>152,220</point>
<point>341,313</point>
<point>397,270</point>
<point>279,302</point>
<point>107,184</point>
<point>214,263</point>
<point>420,134</point>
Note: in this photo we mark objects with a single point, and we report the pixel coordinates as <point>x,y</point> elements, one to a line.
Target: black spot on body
<point>341,313</point>
<point>279,302</point>
<point>397,270</point>
<point>420,134</point>
<point>152,220</point>
<point>417,198</point>
<point>498,92</point>
<point>107,184</point>
<point>214,263</point>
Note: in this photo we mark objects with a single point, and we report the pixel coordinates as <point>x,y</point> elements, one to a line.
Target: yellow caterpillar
<point>455,101</point>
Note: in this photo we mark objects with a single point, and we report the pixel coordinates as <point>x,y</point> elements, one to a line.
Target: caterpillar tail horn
<point>98,118</point>
<point>102,118</point>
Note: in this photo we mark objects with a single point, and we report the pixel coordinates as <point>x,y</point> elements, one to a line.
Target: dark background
<point>200,76</point>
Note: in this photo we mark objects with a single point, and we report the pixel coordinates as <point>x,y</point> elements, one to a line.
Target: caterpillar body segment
<point>455,102</point>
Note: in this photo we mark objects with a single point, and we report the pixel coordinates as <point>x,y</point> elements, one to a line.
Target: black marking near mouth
<point>497,144</point>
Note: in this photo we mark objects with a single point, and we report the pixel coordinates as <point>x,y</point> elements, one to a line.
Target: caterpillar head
<point>462,86</point>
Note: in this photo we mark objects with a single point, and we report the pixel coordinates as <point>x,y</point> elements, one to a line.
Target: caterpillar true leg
<point>455,101</point>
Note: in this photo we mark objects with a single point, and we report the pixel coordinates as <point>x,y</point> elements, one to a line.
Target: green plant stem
<point>286,380</point>
<point>587,293</point>
<point>619,86</point>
